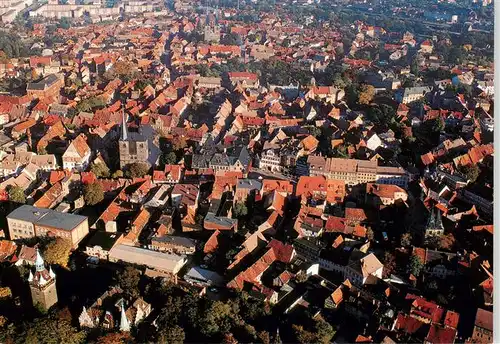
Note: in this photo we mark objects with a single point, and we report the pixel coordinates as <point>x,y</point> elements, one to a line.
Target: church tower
<point>42,284</point>
<point>434,225</point>
<point>132,146</point>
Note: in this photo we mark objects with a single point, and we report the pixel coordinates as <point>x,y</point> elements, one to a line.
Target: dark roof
<point>105,240</point>
<point>44,83</point>
<point>220,159</point>
<point>200,160</point>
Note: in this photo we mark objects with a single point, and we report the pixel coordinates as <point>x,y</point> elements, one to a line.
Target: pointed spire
<point>124,128</point>
<point>30,277</point>
<point>124,323</point>
<point>439,221</point>
<point>41,280</point>
<point>51,273</point>
<point>39,262</point>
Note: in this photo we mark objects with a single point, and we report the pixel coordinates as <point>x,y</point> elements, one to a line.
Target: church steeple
<point>124,323</point>
<point>39,262</point>
<point>124,136</point>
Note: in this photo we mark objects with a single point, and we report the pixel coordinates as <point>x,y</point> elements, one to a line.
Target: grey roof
<point>176,240</point>
<point>417,90</point>
<point>42,84</point>
<point>221,221</point>
<point>220,159</point>
<point>200,274</point>
<point>200,161</point>
<point>251,184</point>
<point>46,217</point>
<point>244,156</point>
<point>156,260</point>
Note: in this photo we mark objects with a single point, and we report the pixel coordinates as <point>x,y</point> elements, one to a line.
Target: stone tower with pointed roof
<point>133,147</point>
<point>42,284</point>
<point>434,225</point>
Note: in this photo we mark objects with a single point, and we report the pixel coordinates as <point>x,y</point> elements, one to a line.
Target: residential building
<point>50,86</point>
<point>100,243</point>
<point>173,244</point>
<point>383,194</point>
<point>354,171</point>
<point>77,155</point>
<point>483,327</point>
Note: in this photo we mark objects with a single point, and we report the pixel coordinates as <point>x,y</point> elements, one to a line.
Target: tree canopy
<point>100,169</point>
<point>240,210</point>
<point>58,251</point>
<point>16,194</point>
<point>416,266</point>
<point>137,170</point>
<point>93,193</point>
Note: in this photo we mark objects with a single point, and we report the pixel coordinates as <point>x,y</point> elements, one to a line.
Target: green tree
<point>406,239</point>
<point>90,104</point>
<point>123,70</point>
<point>264,337</point>
<point>315,131</point>
<point>129,280</point>
<point>438,125</point>
<point>218,318</point>
<point>64,23</point>
<point>170,158</point>
<point>447,241</point>
<point>58,251</point>
<point>471,172</point>
<point>50,330</point>
<point>100,170</point>
<point>366,94</point>
<point>115,338</point>
<point>179,143</point>
<point>303,336</point>
<point>171,335</point>
<point>137,170</point>
<point>369,234</point>
<point>416,266</point>
<point>16,194</point>
<point>240,210</point>
<point>93,193</point>
<point>324,332</point>
<point>117,174</point>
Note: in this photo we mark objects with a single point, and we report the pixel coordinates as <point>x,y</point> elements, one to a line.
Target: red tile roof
<point>451,319</point>
<point>408,324</point>
<point>212,243</point>
<point>335,224</point>
<point>484,319</point>
<point>355,215</point>
<point>439,335</point>
<point>7,249</point>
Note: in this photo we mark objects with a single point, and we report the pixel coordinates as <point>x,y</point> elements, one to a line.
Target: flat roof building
<point>158,261</point>
<point>28,222</point>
